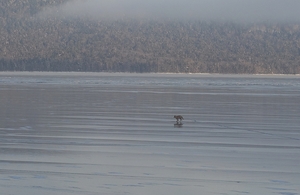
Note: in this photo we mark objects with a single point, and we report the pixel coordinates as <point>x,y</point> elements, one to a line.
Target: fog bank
<point>216,10</point>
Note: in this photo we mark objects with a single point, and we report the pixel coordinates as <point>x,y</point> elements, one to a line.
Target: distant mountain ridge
<point>81,44</point>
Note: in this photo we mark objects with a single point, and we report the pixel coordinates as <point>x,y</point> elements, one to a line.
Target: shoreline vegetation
<point>145,74</point>
<point>142,46</point>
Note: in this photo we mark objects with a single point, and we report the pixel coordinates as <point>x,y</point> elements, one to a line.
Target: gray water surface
<point>114,134</point>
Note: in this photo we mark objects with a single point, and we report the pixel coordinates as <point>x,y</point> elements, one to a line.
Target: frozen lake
<point>114,134</point>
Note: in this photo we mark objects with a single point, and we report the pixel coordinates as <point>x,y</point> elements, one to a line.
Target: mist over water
<point>216,10</point>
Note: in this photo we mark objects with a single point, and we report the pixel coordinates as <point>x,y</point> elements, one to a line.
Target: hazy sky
<point>225,10</point>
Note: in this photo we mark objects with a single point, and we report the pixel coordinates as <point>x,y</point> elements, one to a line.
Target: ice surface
<point>87,133</point>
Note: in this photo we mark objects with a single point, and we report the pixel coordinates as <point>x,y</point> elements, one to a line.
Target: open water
<point>114,134</point>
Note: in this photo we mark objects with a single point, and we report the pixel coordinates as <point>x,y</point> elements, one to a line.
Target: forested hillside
<point>80,44</point>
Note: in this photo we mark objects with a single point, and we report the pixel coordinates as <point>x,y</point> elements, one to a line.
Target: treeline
<point>81,44</point>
